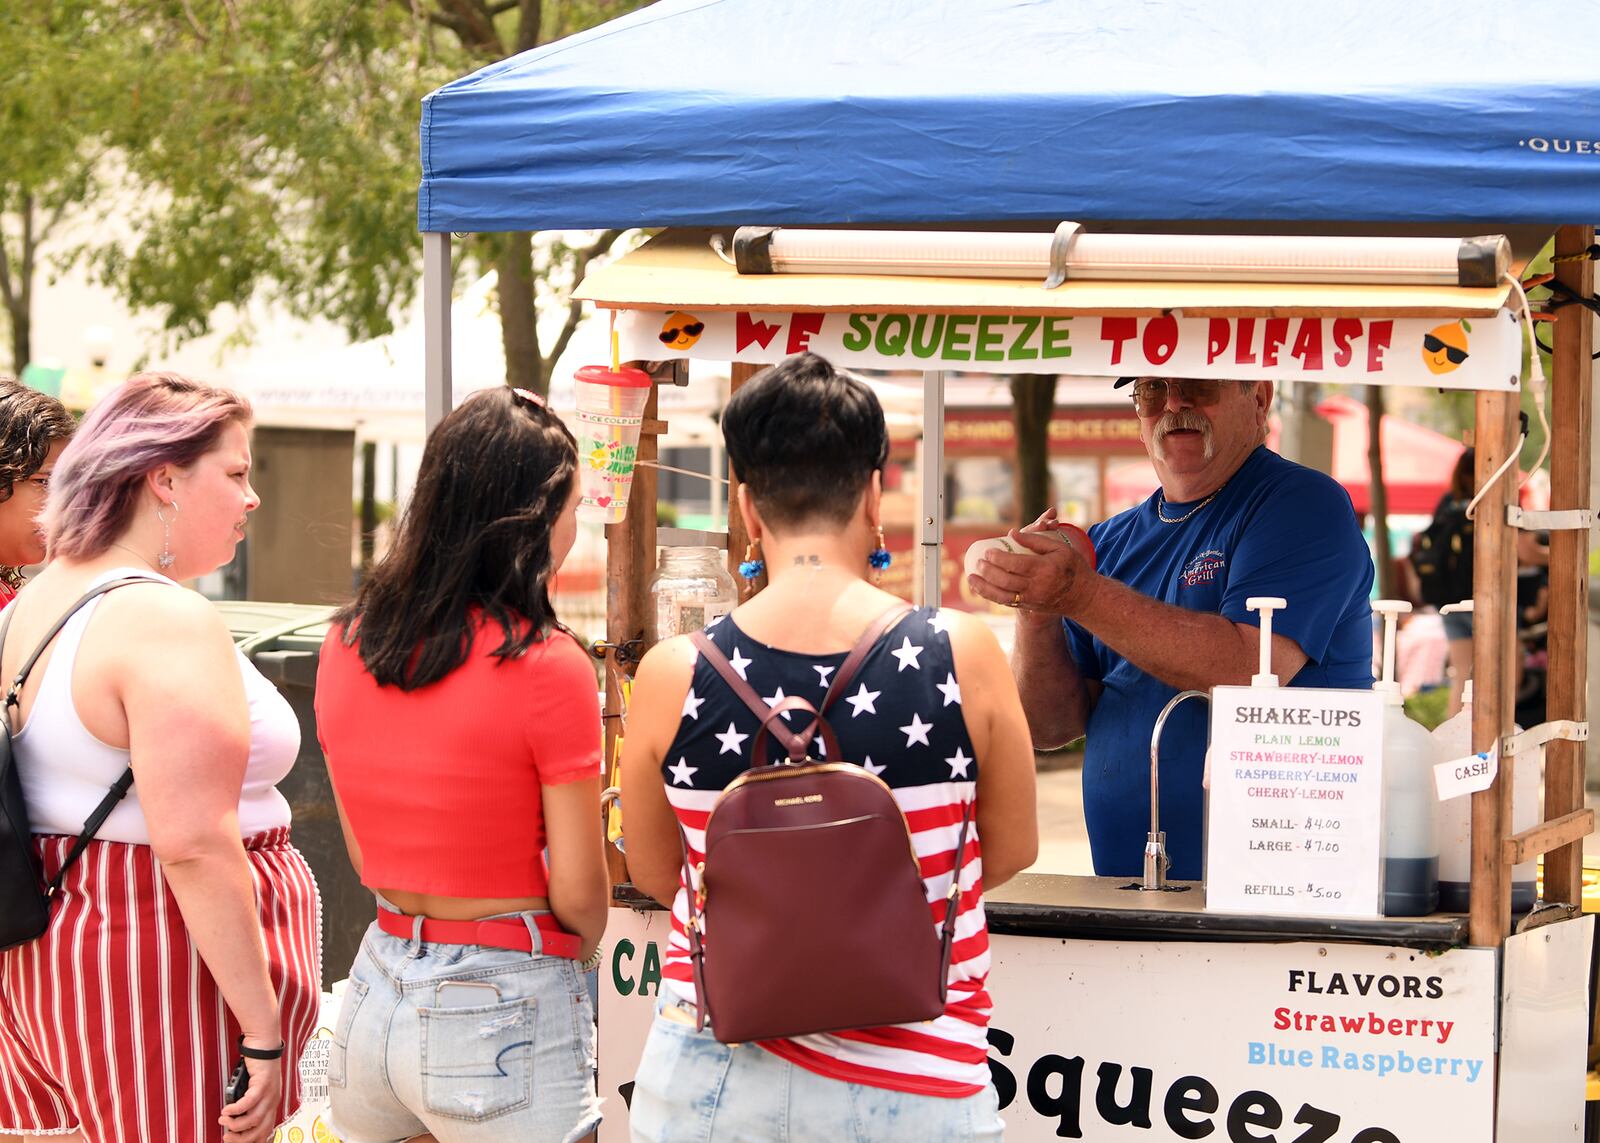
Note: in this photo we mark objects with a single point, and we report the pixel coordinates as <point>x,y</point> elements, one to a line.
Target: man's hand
<point>1050,578</point>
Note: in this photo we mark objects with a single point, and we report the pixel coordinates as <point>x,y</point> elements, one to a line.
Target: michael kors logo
<point>805,799</point>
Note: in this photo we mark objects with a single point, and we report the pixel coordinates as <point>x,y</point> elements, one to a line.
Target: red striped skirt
<point>111,1024</point>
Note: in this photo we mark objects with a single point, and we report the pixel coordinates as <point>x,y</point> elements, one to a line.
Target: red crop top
<point>441,785</point>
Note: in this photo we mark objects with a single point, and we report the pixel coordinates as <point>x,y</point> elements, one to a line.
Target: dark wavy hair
<point>495,476</point>
<point>30,422</point>
<point>805,438</point>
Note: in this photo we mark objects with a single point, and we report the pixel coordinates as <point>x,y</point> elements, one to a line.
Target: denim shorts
<point>692,1089</point>
<point>505,1052</point>
<point>1457,625</point>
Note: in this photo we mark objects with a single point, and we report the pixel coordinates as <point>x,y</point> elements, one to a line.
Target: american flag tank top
<point>901,719</point>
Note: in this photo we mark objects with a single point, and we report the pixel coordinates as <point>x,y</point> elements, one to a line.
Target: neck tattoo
<point>1163,517</point>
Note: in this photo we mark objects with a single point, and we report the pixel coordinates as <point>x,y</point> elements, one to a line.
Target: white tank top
<point>66,771</point>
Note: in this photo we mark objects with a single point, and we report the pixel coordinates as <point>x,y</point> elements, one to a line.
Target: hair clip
<point>531,397</point>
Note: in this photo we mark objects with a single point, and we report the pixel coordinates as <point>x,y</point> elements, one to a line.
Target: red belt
<point>504,934</point>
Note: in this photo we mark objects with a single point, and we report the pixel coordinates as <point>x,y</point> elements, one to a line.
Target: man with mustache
<point>1099,651</point>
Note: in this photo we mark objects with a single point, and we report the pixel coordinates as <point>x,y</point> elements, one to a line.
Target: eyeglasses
<point>1150,393</point>
<point>693,329</point>
<point>1434,345</point>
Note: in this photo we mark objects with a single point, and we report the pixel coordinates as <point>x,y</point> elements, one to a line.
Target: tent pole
<point>436,381</point>
<point>1494,643</point>
<point>932,469</point>
<point>1572,405</point>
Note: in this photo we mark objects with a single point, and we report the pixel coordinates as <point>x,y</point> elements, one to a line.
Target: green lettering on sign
<point>650,973</point>
<point>859,335</point>
<point>623,984</point>
<point>990,338</point>
<point>1056,332</point>
<point>956,337</point>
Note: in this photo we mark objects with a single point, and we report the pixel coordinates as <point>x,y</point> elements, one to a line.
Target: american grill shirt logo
<point>1203,568</point>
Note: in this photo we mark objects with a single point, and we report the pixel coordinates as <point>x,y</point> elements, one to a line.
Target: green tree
<point>53,101</point>
<point>263,149</point>
<point>487,31</point>
<point>1033,399</point>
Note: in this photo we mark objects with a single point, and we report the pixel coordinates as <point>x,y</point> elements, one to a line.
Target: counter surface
<point>1113,908</point>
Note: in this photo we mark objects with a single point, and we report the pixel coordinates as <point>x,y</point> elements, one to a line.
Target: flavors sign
<point>1483,353</point>
<point>1150,1041</point>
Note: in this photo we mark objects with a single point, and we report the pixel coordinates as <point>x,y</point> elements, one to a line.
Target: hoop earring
<point>166,559</point>
<point>879,558</point>
<point>752,566</point>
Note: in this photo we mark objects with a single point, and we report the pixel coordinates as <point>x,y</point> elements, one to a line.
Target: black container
<point>1410,886</point>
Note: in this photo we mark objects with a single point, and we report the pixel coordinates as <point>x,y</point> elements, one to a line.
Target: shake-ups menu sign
<point>1296,801</point>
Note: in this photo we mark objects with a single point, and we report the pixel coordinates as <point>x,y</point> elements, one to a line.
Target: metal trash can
<point>284,641</point>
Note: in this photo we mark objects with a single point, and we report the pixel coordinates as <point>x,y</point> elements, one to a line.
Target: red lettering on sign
<point>1379,334</point>
<point>1217,336</point>
<point>1308,344</point>
<point>1345,330</point>
<point>1272,340</point>
<point>801,327</point>
<point>1160,339</point>
<point>1242,353</point>
<point>1118,331</point>
<point>748,330</point>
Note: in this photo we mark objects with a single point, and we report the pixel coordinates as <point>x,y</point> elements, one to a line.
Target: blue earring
<point>753,565</point>
<point>879,557</point>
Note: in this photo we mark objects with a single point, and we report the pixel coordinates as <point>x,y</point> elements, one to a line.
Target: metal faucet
<point>1156,861</point>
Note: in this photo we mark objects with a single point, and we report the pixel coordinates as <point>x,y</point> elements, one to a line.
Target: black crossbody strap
<point>119,788</point>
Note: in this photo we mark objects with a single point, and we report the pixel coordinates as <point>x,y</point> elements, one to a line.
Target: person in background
<point>463,736</point>
<point>190,928</point>
<point>1458,624</point>
<point>932,711</point>
<point>34,428</point>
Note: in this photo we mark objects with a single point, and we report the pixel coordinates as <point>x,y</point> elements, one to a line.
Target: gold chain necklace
<point>1160,515</point>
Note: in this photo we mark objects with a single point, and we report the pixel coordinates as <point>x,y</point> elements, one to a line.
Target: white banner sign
<point>1295,819</point>
<point>1480,353</point>
<point>1157,1041</point>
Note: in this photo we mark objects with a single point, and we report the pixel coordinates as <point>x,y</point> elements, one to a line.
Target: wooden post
<point>630,560</point>
<point>1493,671</point>
<point>1571,400</point>
<point>738,536</point>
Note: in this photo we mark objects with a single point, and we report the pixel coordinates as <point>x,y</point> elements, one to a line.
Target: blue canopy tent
<point>1471,113</point>
<point>717,112</point>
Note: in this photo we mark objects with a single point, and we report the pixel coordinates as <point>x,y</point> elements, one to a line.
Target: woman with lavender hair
<point>187,935</point>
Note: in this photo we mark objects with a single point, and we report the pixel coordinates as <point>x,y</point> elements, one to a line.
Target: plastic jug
<point>1410,800</point>
<point>1452,739</point>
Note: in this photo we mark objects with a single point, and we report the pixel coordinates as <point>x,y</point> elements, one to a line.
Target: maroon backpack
<point>811,914</point>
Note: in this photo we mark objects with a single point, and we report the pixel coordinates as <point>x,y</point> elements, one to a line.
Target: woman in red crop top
<point>462,729</point>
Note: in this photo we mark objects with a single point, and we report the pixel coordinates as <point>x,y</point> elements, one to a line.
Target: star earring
<point>166,559</point>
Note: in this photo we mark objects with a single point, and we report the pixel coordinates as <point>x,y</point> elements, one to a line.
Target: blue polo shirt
<point>1276,528</point>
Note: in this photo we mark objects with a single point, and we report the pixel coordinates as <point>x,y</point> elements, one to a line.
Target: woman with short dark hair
<point>932,710</point>
<point>462,730</point>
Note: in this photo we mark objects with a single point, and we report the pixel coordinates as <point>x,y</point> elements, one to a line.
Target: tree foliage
<point>231,150</point>
<point>54,98</point>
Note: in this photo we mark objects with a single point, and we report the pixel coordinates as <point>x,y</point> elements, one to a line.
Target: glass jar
<point>691,588</point>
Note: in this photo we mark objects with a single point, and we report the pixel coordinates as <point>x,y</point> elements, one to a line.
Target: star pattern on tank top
<point>907,654</point>
<point>906,732</point>
<point>731,739</point>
